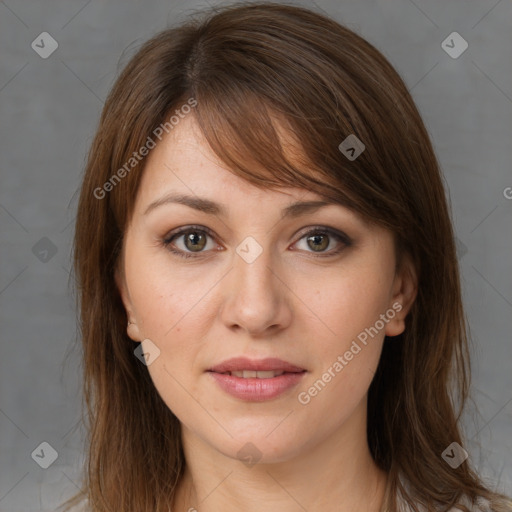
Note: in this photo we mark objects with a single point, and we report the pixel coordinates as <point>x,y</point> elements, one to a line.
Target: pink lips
<point>256,389</point>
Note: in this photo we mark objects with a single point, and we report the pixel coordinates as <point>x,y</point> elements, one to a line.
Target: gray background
<point>49,111</point>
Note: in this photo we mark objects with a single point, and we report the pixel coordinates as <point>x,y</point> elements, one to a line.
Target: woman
<point>270,300</point>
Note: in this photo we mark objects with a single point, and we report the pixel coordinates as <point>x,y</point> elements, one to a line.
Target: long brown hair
<point>253,69</point>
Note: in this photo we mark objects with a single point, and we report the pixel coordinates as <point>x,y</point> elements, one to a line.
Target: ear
<point>132,328</point>
<point>405,289</point>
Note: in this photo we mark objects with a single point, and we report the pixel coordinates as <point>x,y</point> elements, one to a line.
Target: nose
<point>257,298</point>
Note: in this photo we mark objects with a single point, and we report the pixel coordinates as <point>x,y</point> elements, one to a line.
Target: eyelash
<point>316,230</point>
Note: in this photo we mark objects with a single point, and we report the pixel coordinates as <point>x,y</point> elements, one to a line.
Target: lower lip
<point>257,390</point>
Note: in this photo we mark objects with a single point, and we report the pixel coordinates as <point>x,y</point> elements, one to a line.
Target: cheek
<point>169,311</point>
<point>345,304</point>
<point>164,298</point>
<point>337,394</point>
<point>347,348</point>
<point>171,317</point>
<point>349,337</point>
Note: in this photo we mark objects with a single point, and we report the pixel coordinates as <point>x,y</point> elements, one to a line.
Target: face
<point>316,289</point>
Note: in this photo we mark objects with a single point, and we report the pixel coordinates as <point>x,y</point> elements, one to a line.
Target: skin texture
<point>288,304</point>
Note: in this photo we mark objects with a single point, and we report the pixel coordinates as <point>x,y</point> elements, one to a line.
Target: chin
<point>260,447</point>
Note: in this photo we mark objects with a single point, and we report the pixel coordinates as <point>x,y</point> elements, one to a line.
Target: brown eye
<point>188,242</point>
<point>195,241</point>
<point>319,239</point>
<point>318,242</point>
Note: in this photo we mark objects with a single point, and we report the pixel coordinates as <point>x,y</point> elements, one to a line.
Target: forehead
<point>183,162</point>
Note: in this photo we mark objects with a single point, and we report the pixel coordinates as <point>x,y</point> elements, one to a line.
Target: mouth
<point>252,374</point>
<point>256,380</point>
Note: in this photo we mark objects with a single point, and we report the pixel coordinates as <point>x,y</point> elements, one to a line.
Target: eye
<point>319,239</point>
<point>194,241</point>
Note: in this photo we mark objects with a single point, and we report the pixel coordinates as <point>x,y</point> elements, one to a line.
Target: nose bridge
<point>255,274</point>
<point>256,297</point>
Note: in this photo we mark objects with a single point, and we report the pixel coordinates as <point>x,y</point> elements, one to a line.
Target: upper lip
<point>237,364</point>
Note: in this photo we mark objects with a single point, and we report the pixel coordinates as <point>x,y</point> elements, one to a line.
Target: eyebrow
<point>212,208</point>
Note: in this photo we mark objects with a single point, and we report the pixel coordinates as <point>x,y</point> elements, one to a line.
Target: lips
<point>256,380</point>
<point>247,368</point>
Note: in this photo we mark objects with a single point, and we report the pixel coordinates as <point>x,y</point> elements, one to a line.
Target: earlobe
<point>405,289</point>
<point>133,331</point>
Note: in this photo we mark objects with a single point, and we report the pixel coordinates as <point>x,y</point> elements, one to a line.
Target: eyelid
<point>185,229</point>
<point>309,230</point>
<point>178,232</point>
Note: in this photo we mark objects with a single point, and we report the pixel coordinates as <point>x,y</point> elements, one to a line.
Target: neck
<point>338,474</point>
